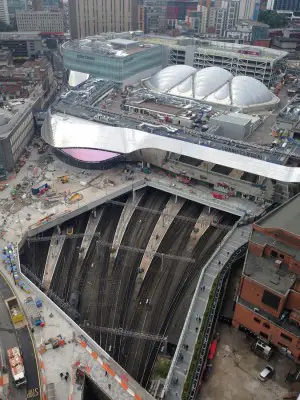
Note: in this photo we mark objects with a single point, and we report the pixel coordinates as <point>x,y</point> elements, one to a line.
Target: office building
<point>248,31</point>
<point>42,21</point>
<point>16,6</point>
<point>117,59</point>
<point>155,16</point>
<point>4,17</point>
<point>249,9</point>
<point>22,45</point>
<point>232,13</point>
<point>37,5</point>
<point>288,5</point>
<point>92,17</point>
<point>268,302</point>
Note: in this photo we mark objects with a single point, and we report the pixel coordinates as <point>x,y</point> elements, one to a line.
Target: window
<point>281,256</point>
<point>271,300</point>
<point>274,253</point>
<point>286,337</point>
<point>256,320</point>
<point>266,325</point>
<point>264,335</point>
<point>282,345</point>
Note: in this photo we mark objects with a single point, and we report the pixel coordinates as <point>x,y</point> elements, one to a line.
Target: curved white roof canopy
<point>169,77</point>
<point>75,78</point>
<point>63,131</point>
<point>213,84</point>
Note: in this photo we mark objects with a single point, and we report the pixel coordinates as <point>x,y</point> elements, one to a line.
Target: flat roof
<point>106,46</point>
<point>264,271</point>
<point>286,217</point>
<point>20,35</point>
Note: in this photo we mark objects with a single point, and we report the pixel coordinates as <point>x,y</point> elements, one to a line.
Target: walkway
<point>179,368</point>
<point>202,195</point>
<point>54,251</point>
<point>172,207</point>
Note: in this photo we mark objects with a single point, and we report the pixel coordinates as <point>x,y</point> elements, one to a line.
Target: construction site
<point>126,268</point>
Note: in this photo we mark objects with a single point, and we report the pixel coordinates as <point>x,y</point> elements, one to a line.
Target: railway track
<point>126,264</point>
<point>157,284</point>
<point>203,250</point>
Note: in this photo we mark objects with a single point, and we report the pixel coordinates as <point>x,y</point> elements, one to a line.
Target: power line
<point>203,221</point>
<point>123,332</point>
<point>109,244</point>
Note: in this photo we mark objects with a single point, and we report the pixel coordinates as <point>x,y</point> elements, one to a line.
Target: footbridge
<point>54,252</point>
<point>181,366</point>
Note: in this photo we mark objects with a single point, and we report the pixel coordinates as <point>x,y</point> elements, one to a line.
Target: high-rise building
<point>232,13</point>
<point>40,21</point>
<point>16,5</point>
<point>91,17</point>
<point>289,5</point>
<point>4,17</point>
<point>249,9</point>
<point>155,16</point>
<point>37,5</point>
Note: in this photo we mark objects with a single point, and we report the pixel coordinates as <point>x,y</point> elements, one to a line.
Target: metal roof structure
<point>65,131</point>
<point>213,84</point>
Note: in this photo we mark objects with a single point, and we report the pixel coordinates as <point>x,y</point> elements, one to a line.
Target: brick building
<point>268,301</point>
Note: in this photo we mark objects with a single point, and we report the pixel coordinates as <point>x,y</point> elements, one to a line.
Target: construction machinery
<point>33,312</point>
<point>14,310</point>
<point>63,179</point>
<point>16,366</point>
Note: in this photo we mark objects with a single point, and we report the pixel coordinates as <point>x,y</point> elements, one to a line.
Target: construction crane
<point>123,332</point>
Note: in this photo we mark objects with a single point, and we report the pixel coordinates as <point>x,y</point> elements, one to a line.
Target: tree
<point>5,28</point>
<point>272,18</point>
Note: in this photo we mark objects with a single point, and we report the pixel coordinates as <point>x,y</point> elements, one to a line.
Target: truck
<point>33,312</point>
<point>16,366</point>
<point>14,310</point>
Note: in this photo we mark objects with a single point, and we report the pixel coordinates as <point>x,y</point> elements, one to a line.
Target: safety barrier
<point>95,356</point>
<point>43,377</point>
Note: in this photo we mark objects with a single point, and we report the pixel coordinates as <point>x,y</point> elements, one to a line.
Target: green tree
<point>5,28</point>
<point>272,18</point>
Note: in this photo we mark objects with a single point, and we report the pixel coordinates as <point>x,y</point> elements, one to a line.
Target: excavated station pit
<point>107,287</point>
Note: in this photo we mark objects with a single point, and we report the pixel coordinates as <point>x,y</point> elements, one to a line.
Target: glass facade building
<point>113,67</point>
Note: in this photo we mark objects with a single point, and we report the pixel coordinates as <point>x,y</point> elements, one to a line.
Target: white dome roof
<point>170,76</point>
<point>213,84</point>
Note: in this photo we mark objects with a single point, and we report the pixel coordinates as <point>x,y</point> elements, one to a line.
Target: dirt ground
<point>235,371</point>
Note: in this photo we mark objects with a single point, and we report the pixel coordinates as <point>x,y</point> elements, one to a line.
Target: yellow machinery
<point>63,179</point>
<point>14,309</point>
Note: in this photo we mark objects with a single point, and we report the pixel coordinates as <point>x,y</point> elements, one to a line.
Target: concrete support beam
<point>126,215</point>
<point>54,251</point>
<point>173,207</point>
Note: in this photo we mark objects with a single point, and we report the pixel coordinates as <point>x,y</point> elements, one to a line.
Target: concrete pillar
<point>175,198</point>
<point>95,213</point>
<point>133,195</point>
<point>58,229</point>
<point>209,209</point>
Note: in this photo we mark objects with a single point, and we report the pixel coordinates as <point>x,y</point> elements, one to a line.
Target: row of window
<point>267,326</point>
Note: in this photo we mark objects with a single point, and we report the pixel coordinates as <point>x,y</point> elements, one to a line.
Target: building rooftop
<point>253,23</point>
<point>107,46</point>
<point>286,217</point>
<point>220,48</point>
<point>264,271</point>
<point>20,36</point>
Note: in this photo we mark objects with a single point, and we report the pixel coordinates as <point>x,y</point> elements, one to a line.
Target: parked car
<point>266,373</point>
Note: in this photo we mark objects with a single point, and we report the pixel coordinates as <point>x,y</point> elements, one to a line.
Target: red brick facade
<point>251,305</point>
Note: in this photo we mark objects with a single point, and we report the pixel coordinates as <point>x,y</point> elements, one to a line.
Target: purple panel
<point>90,155</point>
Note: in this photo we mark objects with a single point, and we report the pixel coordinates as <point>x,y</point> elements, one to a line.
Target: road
<point>11,337</point>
